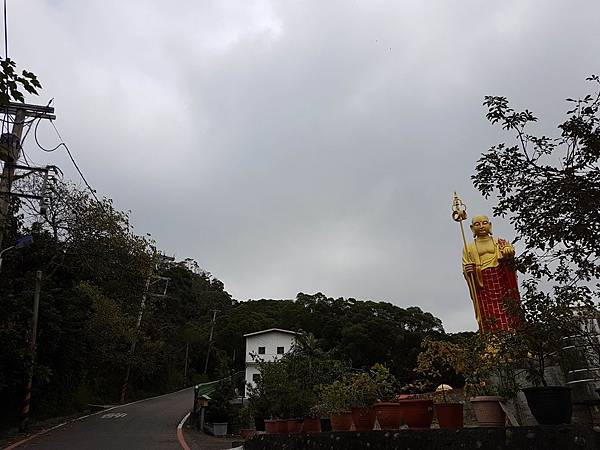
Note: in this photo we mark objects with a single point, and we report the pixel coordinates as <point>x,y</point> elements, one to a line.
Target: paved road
<point>149,425</point>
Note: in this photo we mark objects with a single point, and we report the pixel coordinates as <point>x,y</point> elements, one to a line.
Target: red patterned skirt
<point>498,299</point>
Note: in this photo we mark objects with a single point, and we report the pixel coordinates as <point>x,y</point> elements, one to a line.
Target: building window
<point>255,377</point>
<point>280,350</point>
<point>261,350</point>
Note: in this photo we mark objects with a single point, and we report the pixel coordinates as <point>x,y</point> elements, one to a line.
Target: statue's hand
<point>508,251</point>
<point>469,268</point>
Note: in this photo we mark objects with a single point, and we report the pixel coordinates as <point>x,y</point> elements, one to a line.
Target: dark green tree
<point>549,188</point>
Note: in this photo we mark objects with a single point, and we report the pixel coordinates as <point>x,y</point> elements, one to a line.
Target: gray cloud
<point>301,146</point>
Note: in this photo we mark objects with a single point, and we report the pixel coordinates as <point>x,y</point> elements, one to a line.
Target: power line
<point>93,192</point>
<point>66,147</point>
<point>47,150</point>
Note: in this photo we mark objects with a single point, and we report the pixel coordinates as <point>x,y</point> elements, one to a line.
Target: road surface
<point>148,424</point>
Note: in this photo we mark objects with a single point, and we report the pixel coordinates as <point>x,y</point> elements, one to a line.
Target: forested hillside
<point>95,268</point>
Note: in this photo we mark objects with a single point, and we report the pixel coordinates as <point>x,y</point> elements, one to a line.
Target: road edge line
<point>180,437</point>
<point>22,441</point>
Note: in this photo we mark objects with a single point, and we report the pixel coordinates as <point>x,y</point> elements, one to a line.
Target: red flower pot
<point>271,426</point>
<point>341,422</point>
<point>294,425</point>
<point>282,426</point>
<point>363,418</point>
<point>247,433</point>
<point>449,415</point>
<point>389,415</point>
<point>417,413</point>
<point>311,425</point>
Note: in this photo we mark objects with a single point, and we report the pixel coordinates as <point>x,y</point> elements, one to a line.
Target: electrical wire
<point>47,150</point>
<point>92,191</point>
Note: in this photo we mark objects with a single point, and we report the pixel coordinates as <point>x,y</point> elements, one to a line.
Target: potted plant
<point>311,424</point>
<point>449,414</point>
<point>545,322</point>
<point>387,409</point>
<point>334,401</point>
<point>246,422</point>
<point>417,412</point>
<point>220,411</point>
<point>363,394</point>
<point>437,362</point>
<point>476,362</point>
<point>485,361</point>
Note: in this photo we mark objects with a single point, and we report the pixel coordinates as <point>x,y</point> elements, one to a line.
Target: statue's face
<point>481,226</point>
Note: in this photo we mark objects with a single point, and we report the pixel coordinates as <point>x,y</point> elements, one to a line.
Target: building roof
<point>270,330</point>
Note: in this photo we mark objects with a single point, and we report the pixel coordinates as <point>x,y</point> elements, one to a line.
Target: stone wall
<point>564,437</point>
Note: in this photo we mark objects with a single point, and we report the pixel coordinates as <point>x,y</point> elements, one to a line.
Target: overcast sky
<point>301,146</point>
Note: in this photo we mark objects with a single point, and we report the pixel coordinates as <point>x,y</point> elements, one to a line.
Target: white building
<point>266,345</point>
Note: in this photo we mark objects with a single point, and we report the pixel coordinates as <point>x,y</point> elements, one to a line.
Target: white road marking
<point>113,415</point>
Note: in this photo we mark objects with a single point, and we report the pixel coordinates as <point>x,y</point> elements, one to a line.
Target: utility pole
<point>32,348</point>
<point>138,327</point>
<point>10,151</point>
<point>212,327</point>
<point>185,368</point>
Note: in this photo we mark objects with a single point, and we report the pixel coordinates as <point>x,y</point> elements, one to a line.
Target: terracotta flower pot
<point>271,426</point>
<point>294,425</point>
<point>282,426</point>
<point>550,405</point>
<point>311,425</point>
<point>389,415</point>
<point>449,415</point>
<point>341,422</point>
<point>488,411</point>
<point>417,413</point>
<point>363,418</point>
<point>247,433</point>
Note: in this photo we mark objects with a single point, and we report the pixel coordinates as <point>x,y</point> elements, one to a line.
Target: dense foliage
<point>94,270</point>
<point>361,332</point>
<point>549,188</point>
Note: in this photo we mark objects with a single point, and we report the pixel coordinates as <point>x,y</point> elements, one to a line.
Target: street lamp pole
<point>2,254</point>
<point>25,241</point>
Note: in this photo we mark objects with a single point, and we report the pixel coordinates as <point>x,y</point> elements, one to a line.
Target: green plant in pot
<point>335,402</point>
<point>486,361</point>
<point>363,394</point>
<point>387,409</point>
<point>417,412</point>
<point>449,414</point>
<point>246,424</point>
<point>546,320</point>
<point>479,360</point>
<point>436,363</point>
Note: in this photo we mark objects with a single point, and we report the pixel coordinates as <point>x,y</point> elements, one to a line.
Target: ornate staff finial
<point>459,209</point>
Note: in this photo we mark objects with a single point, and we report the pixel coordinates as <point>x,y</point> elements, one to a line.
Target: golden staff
<point>459,213</point>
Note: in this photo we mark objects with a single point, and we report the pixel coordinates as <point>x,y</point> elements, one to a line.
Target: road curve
<point>148,424</point>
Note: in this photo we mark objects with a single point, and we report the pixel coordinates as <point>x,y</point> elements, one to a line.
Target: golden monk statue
<point>488,268</point>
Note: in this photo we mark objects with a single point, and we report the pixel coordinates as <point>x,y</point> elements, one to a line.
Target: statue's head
<point>481,226</point>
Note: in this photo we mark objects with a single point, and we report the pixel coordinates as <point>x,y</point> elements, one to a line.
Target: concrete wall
<point>270,341</point>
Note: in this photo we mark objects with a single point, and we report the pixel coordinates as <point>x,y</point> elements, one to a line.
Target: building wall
<point>270,341</point>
